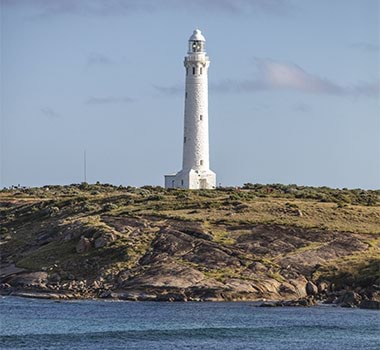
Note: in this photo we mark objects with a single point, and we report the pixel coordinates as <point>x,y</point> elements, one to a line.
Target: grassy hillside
<point>257,240</point>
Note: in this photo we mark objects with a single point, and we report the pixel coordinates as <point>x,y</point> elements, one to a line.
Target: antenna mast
<point>85,166</point>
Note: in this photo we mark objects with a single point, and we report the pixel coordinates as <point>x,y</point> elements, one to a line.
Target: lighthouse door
<point>203,184</point>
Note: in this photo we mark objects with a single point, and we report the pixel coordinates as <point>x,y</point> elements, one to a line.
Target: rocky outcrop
<point>311,289</point>
<point>104,240</point>
<point>32,279</point>
<point>83,245</point>
<point>80,248</point>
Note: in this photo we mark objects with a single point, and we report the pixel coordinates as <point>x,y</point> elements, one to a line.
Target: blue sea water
<point>47,324</point>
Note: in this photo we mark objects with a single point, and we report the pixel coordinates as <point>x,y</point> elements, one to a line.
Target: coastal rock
<point>32,279</point>
<point>182,245</point>
<point>311,288</point>
<point>299,286</point>
<point>83,245</point>
<point>349,299</point>
<point>123,276</point>
<point>170,274</point>
<point>322,287</point>
<point>287,289</point>
<point>104,240</point>
<point>309,301</point>
<point>55,277</point>
<point>4,286</point>
<point>302,302</point>
<point>258,267</point>
<point>268,304</point>
<point>9,270</point>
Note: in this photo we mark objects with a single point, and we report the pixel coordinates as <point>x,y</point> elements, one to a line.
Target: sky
<point>294,90</point>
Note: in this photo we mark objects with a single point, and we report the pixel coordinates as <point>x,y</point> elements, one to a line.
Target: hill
<point>257,242</point>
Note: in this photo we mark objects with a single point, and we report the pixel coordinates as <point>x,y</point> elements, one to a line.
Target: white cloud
<point>275,75</point>
<point>279,75</point>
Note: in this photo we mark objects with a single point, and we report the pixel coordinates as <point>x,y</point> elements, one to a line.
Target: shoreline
<point>151,244</point>
<point>122,297</point>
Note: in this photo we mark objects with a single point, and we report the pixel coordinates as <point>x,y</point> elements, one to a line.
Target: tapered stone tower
<point>195,173</point>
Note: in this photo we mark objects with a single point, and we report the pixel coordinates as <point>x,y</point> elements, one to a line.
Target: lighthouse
<point>195,173</point>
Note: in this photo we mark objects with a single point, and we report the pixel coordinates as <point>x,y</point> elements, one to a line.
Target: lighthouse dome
<point>197,36</point>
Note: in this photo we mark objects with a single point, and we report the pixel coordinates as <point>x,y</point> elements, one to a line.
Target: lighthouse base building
<point>196,172</point>
<point>191,179</point>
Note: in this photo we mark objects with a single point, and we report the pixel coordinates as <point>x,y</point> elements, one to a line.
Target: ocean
<point>48,324</point>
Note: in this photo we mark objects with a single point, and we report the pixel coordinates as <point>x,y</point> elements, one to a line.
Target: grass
<point>359,269</point>
<point>225,213</point>
<point>47,255</point>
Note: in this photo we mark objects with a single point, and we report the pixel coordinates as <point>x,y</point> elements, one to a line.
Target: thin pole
<point>85,166</point>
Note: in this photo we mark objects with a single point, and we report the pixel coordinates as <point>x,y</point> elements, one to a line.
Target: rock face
<point>185,252</point>
<point>311,288</point>
<point>33,279</point>
<point>349,299</point>
<point>83,245</point>
<point>104,240</point>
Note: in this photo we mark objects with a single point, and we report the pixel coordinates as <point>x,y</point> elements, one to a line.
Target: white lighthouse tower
<point>195,173</point>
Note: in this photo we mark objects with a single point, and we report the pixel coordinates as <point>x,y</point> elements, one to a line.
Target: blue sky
<point>294,90</point>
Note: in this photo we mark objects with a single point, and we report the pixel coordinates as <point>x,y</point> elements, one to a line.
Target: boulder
<point>104,240</point>
<point>349,299</point>
<point>257,267</point>
<point>9,270</point>
<point>55,277</point>
<point>32,279</point>
<point>299,283</point>
<point>5,286</point>
<point>268,304</point>
<point>311,288</point>
<point>323,287</point>
<point>309,301</point>
<point>123,276</point>
<point>83,245</point>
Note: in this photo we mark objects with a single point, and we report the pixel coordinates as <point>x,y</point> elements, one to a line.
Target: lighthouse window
<point>201,70</point>
<point>185,94</point>
<point>201,117</point>
<point>201,162</point>
<point>184,139</point>
<point>193,70</point>
<point>182,182</point>
<point>187,71</point>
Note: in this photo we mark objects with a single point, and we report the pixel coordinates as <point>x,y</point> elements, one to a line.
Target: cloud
<point>367,47</point>
<point>96,58</point>
<point>278,75</point>
<point>47,8</point>
<point>50,113</point>
<point>108,100</point>
<point>273,75</point>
